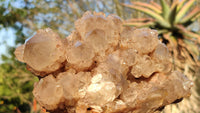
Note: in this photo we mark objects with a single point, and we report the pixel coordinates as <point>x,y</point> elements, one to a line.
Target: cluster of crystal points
<point>102,67</point>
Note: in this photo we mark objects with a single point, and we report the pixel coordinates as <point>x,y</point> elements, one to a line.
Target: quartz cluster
<point>102,67</point>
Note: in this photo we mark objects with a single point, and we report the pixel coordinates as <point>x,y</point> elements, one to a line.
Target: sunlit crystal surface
<point>48,92</point>
<point>44,51</point>
<point>102,66</point>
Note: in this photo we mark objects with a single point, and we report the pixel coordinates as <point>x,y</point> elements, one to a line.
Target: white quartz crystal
<point>44,52</point>
<point>48,92</point>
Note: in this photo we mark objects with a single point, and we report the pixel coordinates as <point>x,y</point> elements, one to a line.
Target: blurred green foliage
<point>15,82</point>
<point>16,85</point>
<point>25,17</point>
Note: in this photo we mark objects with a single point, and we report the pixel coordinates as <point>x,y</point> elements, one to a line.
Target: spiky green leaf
<point>192,47</point>
<point>118,8</point>
<point>184,10</point>
<point>180,5</point>
<point>140,24</point>
<point>172,15</point>
<point>188,33</point>
<point>174,4</point>
<point>156,5</point>
<point>196,17</point>
<point>154,15</point>
<point>165,9</point>
<point>151,7</point>
<point>163,31</point>
<point>192,14</point>
<point>140,20</point>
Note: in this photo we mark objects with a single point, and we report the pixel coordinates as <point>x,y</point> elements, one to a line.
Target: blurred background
<point>177,21</point>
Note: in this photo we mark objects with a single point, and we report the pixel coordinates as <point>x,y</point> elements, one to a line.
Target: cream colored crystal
<point>44,52</point>
<point>102,67</point>
<point>160,90</point>
<point>98,40</point>
<point>78,82</point>
<point>48,92</point>
<point>137,38</point>
<point>162,58</point>
<point>144,67</point>
<point>19,53</point>
<point>115,107</point>
<point>129,57</point>
<point>100,93</point>
<point>80,56</point>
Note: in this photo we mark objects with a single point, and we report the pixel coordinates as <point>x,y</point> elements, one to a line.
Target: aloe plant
<point>172,20</point>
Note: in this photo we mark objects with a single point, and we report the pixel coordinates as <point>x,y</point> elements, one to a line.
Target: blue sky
<point>7,38</point>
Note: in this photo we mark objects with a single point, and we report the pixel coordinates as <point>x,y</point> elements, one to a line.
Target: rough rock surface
<point>102,67</point>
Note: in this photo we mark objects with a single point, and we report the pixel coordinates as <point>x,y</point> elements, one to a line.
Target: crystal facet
<point>44,52</point>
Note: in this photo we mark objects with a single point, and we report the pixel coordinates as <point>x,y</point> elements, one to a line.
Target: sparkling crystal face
<point>102,66</point>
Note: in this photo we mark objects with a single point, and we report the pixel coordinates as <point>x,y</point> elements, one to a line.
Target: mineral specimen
<point>102,66</point>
